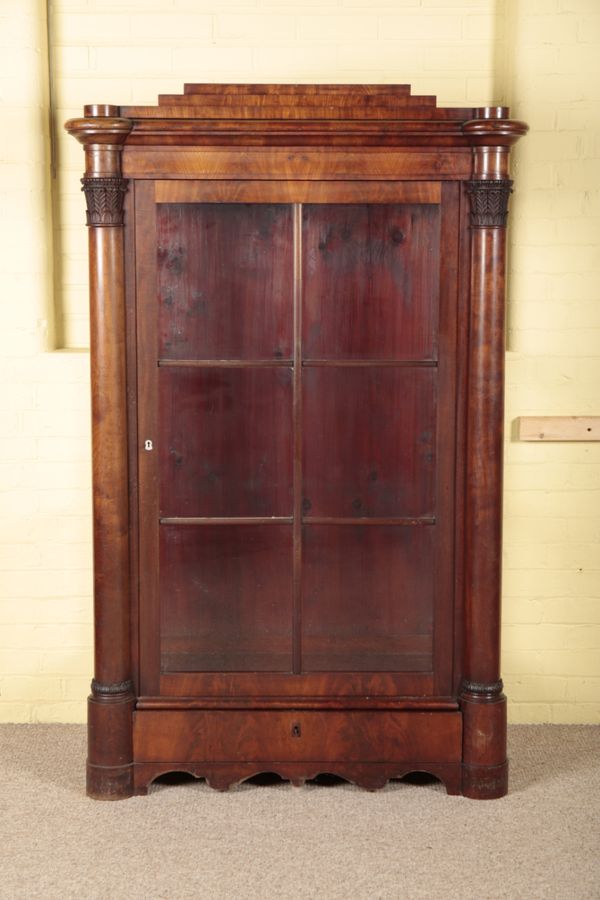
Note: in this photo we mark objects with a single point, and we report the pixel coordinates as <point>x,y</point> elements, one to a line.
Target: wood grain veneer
<point>297,307</point>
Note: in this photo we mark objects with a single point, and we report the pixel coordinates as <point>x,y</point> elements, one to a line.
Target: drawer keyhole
<point>296,732</point>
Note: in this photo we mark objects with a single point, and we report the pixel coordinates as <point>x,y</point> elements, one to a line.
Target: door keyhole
<point>296,730</point>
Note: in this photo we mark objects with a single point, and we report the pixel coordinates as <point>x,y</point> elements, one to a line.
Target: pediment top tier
<point>298,102</point>
<point>376,115</point>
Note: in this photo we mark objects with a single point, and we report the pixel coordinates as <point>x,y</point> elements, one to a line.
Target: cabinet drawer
<point>248,736</point>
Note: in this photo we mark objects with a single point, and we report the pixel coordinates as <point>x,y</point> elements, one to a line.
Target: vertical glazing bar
<point>297,418</point>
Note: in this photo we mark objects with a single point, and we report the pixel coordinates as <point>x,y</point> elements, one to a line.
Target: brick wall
<point>45,558</point>
<point>130,52</point>
<point>552,498</point>
<point>541,57</point>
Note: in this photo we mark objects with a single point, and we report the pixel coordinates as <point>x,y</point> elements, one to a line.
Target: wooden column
<point>110,705</point>
<point>485,766</point>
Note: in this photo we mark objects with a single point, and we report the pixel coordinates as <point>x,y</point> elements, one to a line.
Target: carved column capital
<point>489,202</point>
<point>104,198</point>
<point>103,134</point>
<point>491,135</point>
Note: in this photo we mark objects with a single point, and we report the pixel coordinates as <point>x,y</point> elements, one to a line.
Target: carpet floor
<point>277,842</point>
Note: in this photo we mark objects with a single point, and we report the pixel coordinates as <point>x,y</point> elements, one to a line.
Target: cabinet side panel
<point>132,425</point>
<point>146,282</point>
<point>446,439</point>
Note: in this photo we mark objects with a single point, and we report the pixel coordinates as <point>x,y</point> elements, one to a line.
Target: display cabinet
<point>297,350</point>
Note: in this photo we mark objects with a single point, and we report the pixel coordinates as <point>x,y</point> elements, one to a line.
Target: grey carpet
<point>278,842</point>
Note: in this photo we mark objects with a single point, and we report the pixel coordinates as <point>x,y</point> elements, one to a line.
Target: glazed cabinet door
<point>297,438</point>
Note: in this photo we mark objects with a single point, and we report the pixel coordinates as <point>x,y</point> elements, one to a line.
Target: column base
<point>485,766</point>
<point>110,742</point>
<point>109,782</point>
<point>485,782</point>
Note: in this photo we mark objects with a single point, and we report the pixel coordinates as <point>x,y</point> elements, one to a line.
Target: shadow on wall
<point>56,331</point>
<point>505,36</point>
<point>501,52</point>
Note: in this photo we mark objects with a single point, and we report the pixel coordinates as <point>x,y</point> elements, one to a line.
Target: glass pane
<point>225,280</point>
<point>370,281</point>
<point>226,598</point>
<point>368,598</point>
<point>226,445</point>
<point>369,441</point>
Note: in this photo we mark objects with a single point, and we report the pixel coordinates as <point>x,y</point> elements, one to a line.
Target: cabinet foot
<point>109,782</point>
<point>485,766</point>
<point>110,751</point>
<point>485,782</point>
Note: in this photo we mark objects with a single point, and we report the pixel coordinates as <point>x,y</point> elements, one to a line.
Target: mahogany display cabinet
<point>297,350</point>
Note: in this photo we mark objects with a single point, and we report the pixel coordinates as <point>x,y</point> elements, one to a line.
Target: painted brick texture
<point>540,58</point>
<point>552,524</point>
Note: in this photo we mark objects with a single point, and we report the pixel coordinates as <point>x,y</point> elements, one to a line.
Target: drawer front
<point>248,736</point>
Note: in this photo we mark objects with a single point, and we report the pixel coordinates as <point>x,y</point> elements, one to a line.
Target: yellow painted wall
<point>540,56</point>
<point>551,634</point>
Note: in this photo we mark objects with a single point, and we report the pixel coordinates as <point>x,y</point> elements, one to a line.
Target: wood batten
<point>110,704</point>
<point>485,767</point>
<point>558,428</point>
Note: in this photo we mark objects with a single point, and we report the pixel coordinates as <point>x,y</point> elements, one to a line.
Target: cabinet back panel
<point>226,442</point>
<point>369,441</point>
<point>367,598</point>
<point>226,598</point>
<point>225,280</point>
<point>370,281</point>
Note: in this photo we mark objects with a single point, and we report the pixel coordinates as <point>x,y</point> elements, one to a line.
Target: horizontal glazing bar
<point>225,520</point>
<point>371,363</point>
<point>225,363</point>
<point>288,363</point>
<point>288,520</point>
<point>398,520</point>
